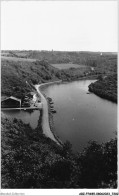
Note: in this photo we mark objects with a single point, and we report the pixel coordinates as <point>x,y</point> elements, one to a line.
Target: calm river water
<point>26,117</point>
<point>80,116</point>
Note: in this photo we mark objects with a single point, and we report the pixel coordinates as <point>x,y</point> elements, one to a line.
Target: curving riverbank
<point>105,88</point>
<point>47,121</point>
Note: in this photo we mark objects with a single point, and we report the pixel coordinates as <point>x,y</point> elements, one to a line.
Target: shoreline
<point>47,122</point>
<point>102,95</point>
<point>50,122</point>
<point>50,132</point>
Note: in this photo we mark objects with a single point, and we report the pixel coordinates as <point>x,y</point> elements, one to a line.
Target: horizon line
<point>59,50</point>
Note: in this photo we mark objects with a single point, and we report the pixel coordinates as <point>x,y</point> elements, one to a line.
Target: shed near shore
<point>11,102</point>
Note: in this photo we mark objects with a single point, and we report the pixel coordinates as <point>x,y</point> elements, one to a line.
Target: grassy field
<point>10,58</point>
<point>67,65</point>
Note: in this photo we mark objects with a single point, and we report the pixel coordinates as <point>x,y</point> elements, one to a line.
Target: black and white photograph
<point>59,62</point>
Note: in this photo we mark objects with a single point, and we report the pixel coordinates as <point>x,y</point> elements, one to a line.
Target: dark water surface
<point>80,116</point>
<point>26,117</point>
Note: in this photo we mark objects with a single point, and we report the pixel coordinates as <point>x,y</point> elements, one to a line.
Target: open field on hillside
<point>67,65</point>
<point>56,57</point>
<point>10,58</point>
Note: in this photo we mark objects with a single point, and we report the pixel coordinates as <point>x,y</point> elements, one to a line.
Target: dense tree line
<point>30,160</point>
<point>105,87</point>
<point>78,57</point>
<point>15,73</point>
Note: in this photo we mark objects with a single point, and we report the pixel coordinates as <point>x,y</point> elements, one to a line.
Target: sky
<point>59,25</point>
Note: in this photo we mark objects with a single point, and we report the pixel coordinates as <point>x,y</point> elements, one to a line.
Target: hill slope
<point>30,160</point>
<point>15,72</point>
<point>105,88</point>
<point>17,67</point>
<point>65,57</point>
<point>14,75</point>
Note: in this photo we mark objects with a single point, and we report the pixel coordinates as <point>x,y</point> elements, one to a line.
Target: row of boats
<point>51,105</point>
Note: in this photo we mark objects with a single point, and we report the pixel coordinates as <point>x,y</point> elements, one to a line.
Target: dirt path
<point>45,119</point>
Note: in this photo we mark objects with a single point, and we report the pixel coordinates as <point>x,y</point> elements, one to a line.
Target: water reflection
<point>27,117</point>
<point>80,116</point>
